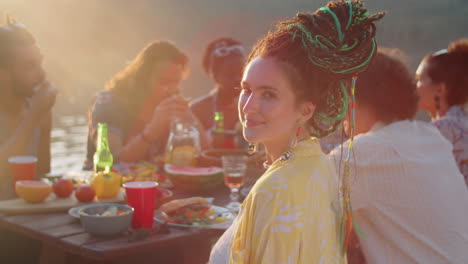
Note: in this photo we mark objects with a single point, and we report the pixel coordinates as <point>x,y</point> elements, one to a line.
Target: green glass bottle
<point>218,133</point>
<point>102,158</point>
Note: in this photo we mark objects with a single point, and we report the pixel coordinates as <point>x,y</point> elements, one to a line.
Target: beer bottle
<point>102,157</point>
<point>218,132</point>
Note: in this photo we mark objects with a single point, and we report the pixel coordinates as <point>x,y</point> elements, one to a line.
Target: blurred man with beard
<point>25,103</point>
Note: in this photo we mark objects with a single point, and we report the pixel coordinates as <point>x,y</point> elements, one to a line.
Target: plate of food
<point>194,212</point>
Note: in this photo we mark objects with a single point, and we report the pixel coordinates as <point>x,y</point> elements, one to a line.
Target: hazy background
<point>86,41</point>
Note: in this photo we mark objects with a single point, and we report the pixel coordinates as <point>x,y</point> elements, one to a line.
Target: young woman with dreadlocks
<point>294,90</point>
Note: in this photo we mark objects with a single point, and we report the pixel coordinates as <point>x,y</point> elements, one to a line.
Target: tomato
<point>85,193</point>
<point>63,188</point>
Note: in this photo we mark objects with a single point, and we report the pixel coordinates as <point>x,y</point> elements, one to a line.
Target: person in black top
<point>223,61</point>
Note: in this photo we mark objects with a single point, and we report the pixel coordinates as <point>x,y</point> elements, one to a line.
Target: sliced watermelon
<point>194,179</point>
<point>180,170</point>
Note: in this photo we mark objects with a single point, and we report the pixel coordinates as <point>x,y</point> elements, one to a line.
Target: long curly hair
<point>321,52</point>
<point>132,83</point>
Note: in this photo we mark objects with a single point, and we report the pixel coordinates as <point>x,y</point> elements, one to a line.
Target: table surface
<point>66,233</point>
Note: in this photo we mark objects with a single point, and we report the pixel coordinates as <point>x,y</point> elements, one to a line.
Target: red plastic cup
<point>141,196</point>
<point>22,168</point>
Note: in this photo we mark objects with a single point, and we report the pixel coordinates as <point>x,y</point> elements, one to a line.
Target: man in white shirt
<point>408,196</point>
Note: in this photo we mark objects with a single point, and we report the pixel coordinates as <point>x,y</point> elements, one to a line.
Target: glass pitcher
<point>183,145</point>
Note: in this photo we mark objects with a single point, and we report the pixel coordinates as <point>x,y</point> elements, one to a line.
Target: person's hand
<point>166,111</point>
<point>43,100</point>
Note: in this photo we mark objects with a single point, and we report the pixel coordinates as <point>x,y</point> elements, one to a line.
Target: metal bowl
<point>96,224</point>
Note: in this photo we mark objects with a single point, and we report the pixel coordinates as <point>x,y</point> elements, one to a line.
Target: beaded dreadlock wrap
<point>348,49</point>
<point>328,49</point>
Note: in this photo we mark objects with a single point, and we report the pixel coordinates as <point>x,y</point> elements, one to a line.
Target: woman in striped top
<point>443,89</point>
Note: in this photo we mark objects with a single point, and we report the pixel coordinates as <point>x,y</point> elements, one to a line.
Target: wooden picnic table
<point>65,241</point>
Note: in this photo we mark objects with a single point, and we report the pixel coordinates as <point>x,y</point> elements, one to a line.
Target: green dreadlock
<point>339,55</point>
<point>326,49</point>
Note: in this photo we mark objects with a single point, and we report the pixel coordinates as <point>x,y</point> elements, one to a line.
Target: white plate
<point>217,209</point>
<point>75,211</point>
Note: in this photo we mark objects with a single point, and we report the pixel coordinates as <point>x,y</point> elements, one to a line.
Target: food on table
<point>176,204</point>
<point>111,211</point>
<point>106,184</point>
<point>159,159</point>
<point>85,193</point>
<point>78,177</point>
<point>142,171</point>
<point>190,211</point>
<point>192,171</point>
<point>194,179</point>
<point>182,156</point>
<point>33,191</point>
<point>105,219</point>
<point>52,177</point>
<point>63,188</point>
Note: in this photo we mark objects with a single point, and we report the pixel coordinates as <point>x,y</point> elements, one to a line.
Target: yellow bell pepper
<point>107,185</point>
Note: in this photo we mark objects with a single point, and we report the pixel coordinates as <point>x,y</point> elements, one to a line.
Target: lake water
<point>68,143</point>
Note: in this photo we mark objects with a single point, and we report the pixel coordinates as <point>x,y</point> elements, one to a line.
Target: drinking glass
<point>22,168</point>
<point>141,196</point>
<point>234,172</point>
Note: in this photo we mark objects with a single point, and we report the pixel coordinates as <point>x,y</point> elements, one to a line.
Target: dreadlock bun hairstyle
<point>207,61</point>
<point>321,52</point>
<point>450,67</point>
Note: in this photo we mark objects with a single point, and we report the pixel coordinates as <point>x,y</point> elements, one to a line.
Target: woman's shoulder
<point>451,127</point>
<point>203,103</point>
<point>106,102</point>
<point>448,123</point>
<point>107,98</point>
<point>110,109</point>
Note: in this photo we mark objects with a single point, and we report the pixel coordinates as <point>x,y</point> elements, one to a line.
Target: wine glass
<point>234,172</point>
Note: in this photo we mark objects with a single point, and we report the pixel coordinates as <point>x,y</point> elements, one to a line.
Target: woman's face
<point>267,103</point>
<point>228,72</point>
<point>166,78</point>
<point>427,89</point>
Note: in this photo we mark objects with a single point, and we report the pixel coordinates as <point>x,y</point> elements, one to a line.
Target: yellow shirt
<point>292,213</point>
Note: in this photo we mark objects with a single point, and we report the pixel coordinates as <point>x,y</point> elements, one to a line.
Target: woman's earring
<point>437,105</point>
<point>252,148</point>
<point>298,133</point>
